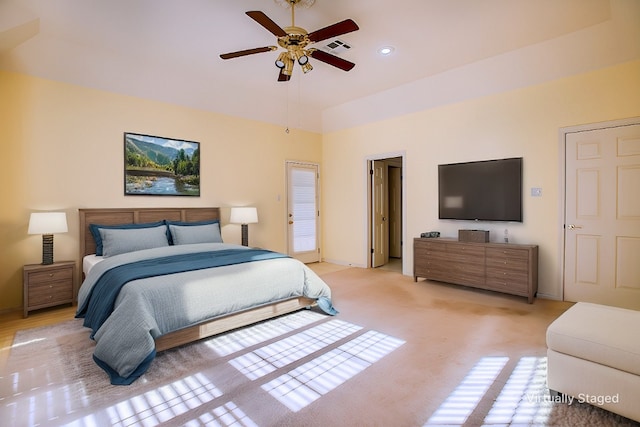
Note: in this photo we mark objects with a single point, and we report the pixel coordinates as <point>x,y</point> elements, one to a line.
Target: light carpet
<point>292,370</point>
<point>253,376</point>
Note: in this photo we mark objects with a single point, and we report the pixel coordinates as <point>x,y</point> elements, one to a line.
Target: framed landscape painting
<point>156,166</point>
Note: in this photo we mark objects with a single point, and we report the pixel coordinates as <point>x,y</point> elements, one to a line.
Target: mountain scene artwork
<point>160,166</point>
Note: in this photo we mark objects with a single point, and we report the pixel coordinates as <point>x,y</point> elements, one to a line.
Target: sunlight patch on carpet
<point>155,406</point>
<point>296,359</point>
<point>305,384</point>
<point>28,402</point>
<point>226,415</point>
<point>229,343</point>
<point>455,410</point>
<point>267,359</point>
<point>524,400</point>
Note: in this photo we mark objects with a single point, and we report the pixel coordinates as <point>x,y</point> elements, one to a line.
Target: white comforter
<point>151,307</point>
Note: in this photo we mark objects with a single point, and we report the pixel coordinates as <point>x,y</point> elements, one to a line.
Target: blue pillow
<point>184,233</point>
<point>95,231</point>
<point>119,241</point>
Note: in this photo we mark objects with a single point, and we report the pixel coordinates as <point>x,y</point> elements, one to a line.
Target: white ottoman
<point>594,355</point>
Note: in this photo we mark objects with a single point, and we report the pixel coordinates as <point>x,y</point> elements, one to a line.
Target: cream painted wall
<point>62,149</point>
<point>523,123</point>
<point>48,130</point>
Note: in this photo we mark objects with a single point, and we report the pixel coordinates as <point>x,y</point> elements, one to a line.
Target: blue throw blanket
<point>97,307</point>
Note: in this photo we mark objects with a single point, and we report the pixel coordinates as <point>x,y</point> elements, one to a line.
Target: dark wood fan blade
<point>334,30</point>
<point>325,57</point>
<point>247,52</point>
<point>267,23</point>
<point>282,77</point>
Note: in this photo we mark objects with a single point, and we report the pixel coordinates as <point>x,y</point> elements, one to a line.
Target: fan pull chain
<point>288,112</point>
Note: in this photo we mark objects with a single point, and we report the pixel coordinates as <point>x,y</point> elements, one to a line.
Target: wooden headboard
<point>116,216</point>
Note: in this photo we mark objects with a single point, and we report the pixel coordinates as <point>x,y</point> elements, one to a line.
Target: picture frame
<point>159,166</point>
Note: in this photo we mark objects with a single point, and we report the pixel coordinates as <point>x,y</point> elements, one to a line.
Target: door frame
<point>368,208</point>
<point>562,190</point>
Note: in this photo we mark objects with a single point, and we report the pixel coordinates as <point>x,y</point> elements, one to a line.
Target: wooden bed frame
<point>116,216</point>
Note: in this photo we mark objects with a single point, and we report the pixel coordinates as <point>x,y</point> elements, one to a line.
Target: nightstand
<point>48,285</point>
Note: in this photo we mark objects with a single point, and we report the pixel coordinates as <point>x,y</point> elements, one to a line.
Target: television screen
<point>489,190</point>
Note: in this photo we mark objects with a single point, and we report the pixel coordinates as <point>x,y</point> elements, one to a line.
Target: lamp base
<point>47,249</point>
<point>245,234</point>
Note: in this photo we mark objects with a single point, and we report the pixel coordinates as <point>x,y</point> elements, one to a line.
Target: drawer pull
<point>50,274</point>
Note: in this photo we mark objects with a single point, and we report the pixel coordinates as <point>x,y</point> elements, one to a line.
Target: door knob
<point>573,227</point>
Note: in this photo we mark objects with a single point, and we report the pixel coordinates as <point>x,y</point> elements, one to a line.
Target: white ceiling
<point>445,51</point>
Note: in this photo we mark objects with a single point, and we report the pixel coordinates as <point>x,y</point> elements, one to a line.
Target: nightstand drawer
<point>52,292</point>
<point>53,275</point>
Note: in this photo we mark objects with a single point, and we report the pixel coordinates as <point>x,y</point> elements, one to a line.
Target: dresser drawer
<point>430,254</point>
<point>466,250</point>
<point>467,258</point>
<point>510,253</point>
<point>428,244</point>
<point>514,264</point>
<point>514,277</point>
<point>504,284</point>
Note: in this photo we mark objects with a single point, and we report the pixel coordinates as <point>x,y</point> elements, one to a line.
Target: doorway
<point>385,212</point>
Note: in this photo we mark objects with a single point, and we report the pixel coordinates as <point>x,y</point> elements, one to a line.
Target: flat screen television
<point>489,190</point>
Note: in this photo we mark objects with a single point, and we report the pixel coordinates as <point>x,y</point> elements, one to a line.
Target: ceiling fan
<point>295,41</point>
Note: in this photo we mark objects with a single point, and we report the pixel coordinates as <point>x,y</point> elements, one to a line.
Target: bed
<point>225,287</point>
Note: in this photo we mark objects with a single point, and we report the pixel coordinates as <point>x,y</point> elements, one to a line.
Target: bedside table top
<point>56,264</point>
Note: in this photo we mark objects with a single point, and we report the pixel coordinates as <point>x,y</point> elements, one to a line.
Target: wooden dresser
<point>502,267</point>
<point>48,285</point>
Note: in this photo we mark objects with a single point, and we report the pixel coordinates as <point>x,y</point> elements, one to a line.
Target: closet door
<point>602,223</point>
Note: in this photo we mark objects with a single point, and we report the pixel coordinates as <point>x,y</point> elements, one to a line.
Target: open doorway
<point>385,198</point>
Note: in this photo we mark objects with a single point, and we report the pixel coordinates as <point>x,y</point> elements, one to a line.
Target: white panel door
<point>602,224</point>
<point>303,211</point>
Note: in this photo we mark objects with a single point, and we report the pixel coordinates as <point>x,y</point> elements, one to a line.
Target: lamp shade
<point>48,223</point>
<point>246,215</point>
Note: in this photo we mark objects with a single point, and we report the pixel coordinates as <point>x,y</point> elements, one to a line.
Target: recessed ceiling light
<point>386,50</point>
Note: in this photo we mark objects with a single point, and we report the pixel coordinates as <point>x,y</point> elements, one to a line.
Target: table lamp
<point>47,223</point>
<point>244,216</point>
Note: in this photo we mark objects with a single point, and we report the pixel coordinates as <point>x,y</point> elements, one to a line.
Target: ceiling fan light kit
<point>280,62</point>
<point>295,41</point>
